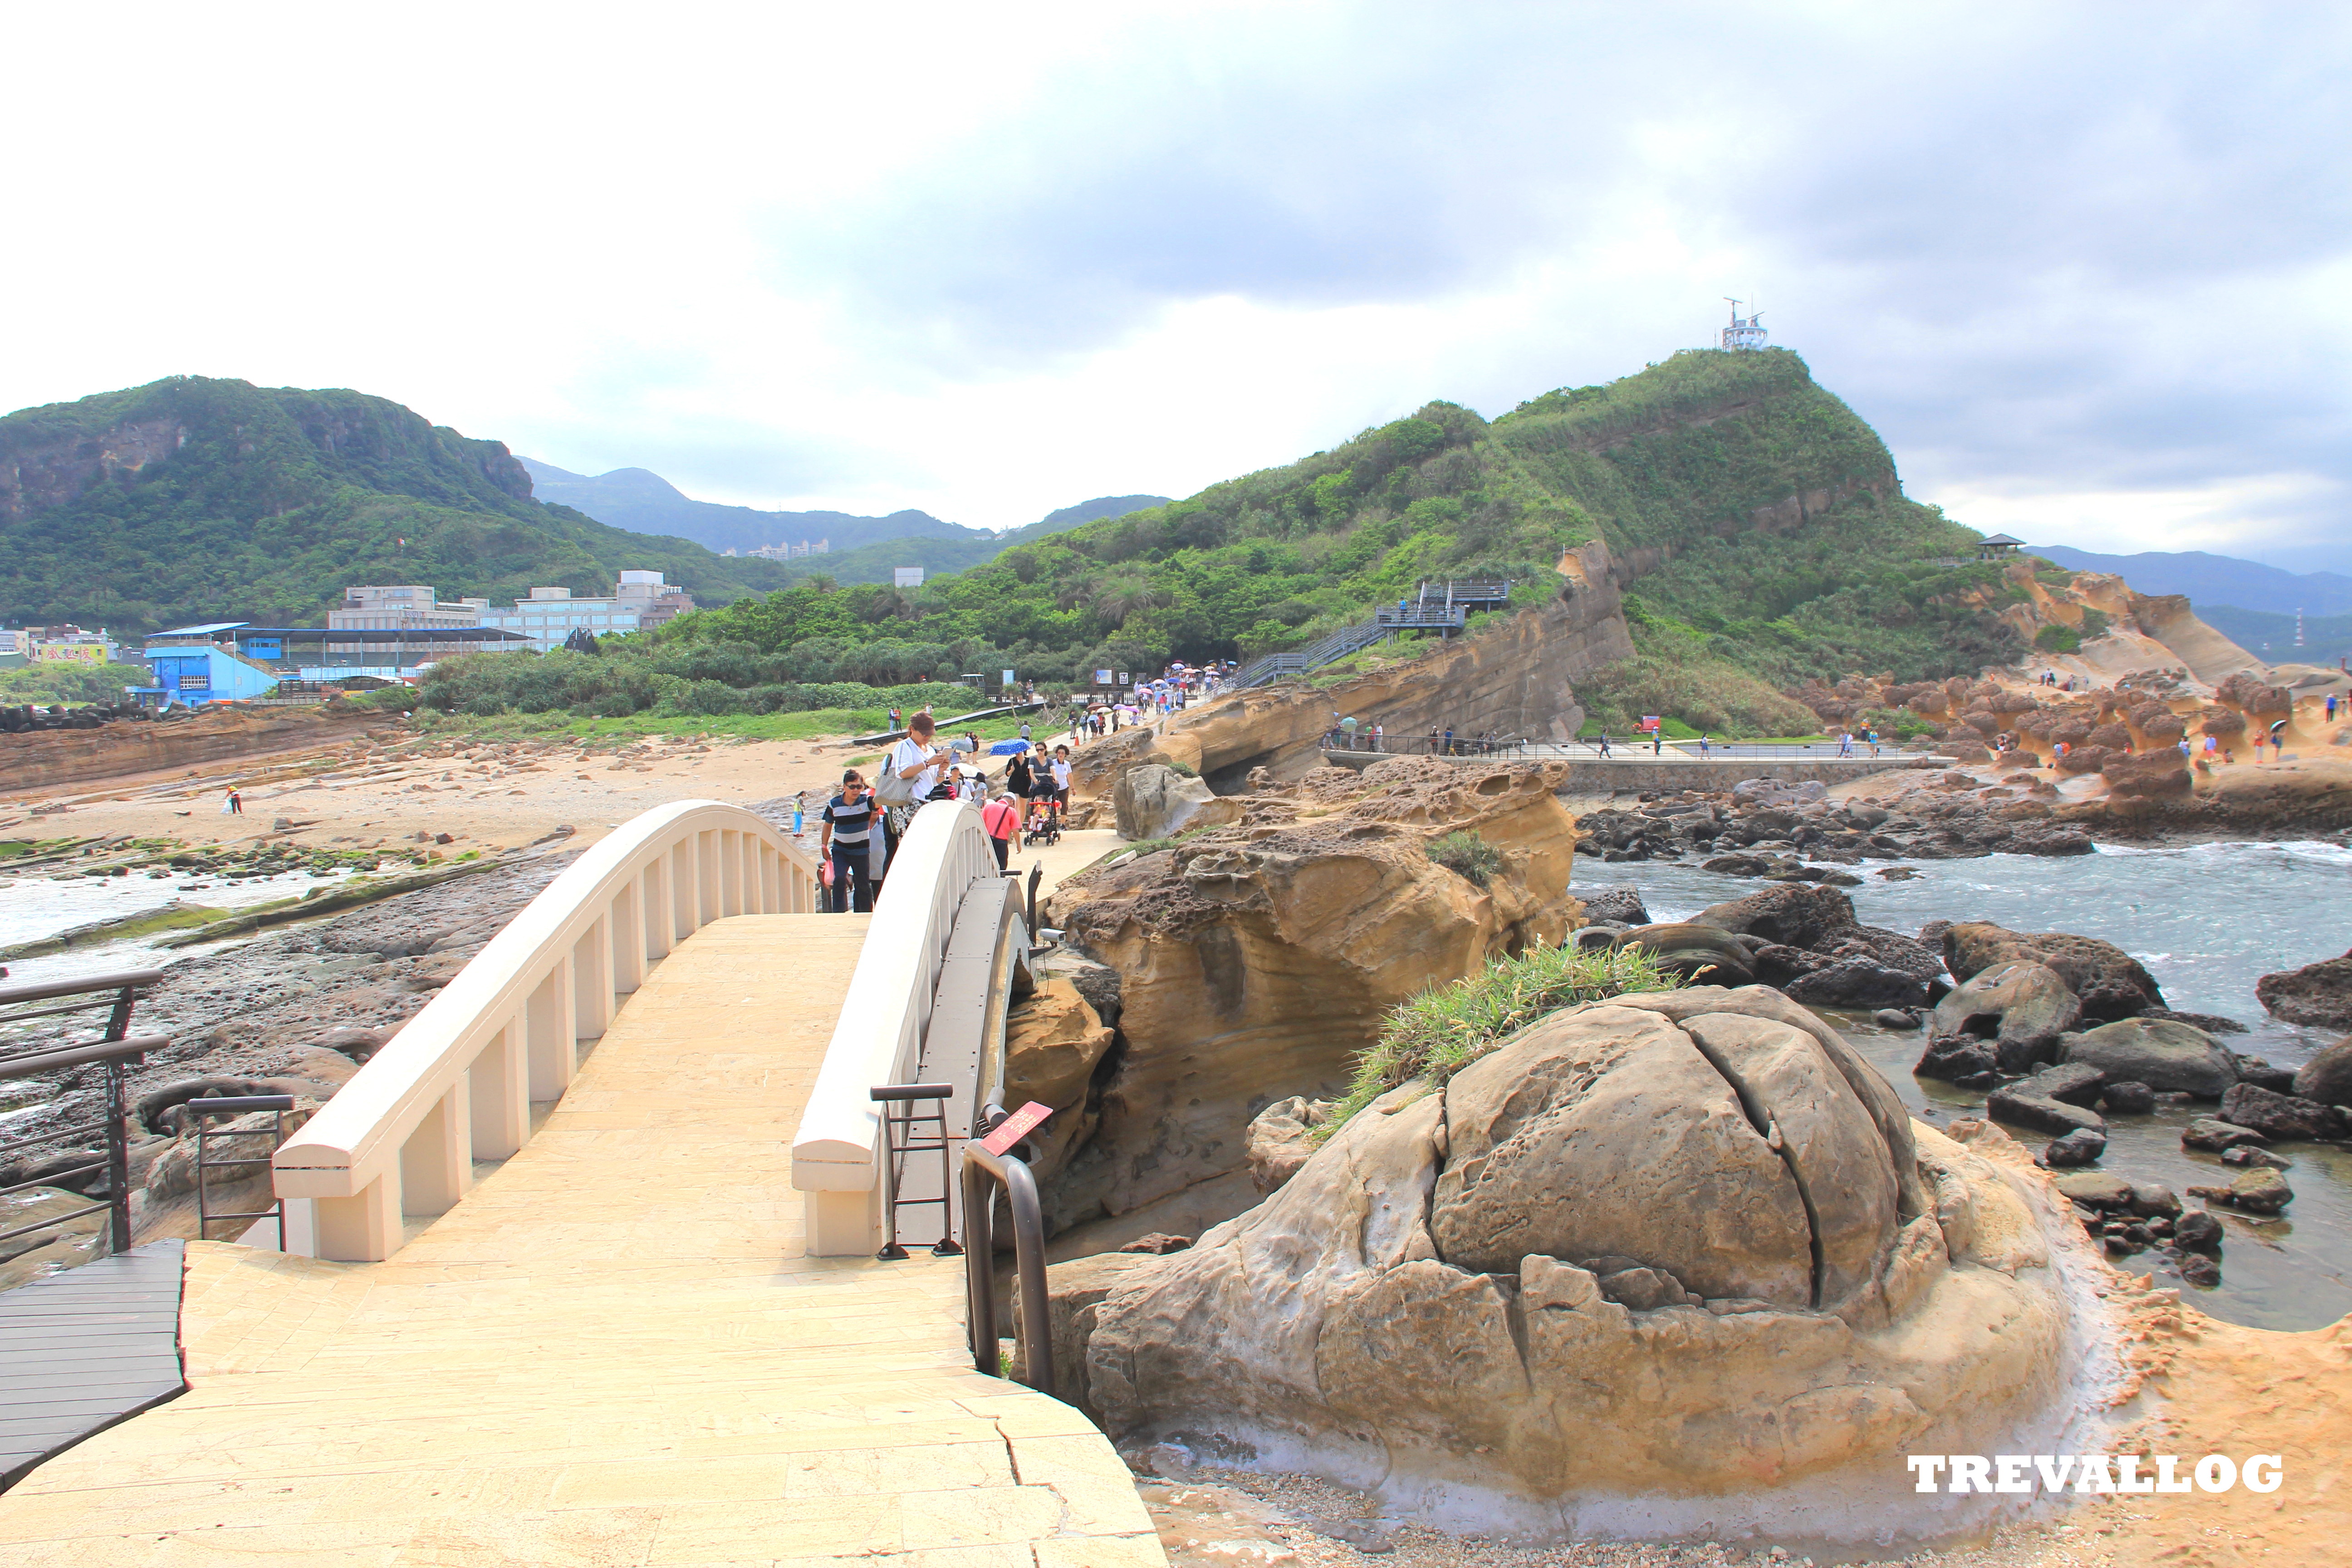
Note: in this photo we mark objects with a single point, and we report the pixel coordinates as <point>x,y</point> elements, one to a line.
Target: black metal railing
<point>906,1131</point>
<point>985,1174</point>
<point>106,1168</point>
<point>236,1105</point>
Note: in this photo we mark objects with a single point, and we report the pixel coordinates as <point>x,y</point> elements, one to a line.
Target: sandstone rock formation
<point>1256,959</point>
<point>2020,1007</point>
<point>1154,801</point>
<point>1052,1042</point>
<point>2327,1077</point>
<point>1683,1248</point>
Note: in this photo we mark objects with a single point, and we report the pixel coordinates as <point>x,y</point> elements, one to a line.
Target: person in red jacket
<point>1002,817</point>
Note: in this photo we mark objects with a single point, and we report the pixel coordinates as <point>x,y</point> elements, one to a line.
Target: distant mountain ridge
<point>861,549</point>
<point>644,502</point>
<point>2216,580</point>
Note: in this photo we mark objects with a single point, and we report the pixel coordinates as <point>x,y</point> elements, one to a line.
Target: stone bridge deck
<point>612,1353</point>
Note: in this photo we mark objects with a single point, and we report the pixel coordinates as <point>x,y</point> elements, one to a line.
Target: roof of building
<point>201,631</point>
<point>2001,539</point>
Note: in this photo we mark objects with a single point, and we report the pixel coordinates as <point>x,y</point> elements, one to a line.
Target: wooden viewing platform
<point>613,1349</point>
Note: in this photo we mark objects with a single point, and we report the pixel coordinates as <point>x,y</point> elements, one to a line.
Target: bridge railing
<point>904,973</point>
<point>456,1084</point>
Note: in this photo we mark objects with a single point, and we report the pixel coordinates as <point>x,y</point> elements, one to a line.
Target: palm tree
<point>1128,594</point>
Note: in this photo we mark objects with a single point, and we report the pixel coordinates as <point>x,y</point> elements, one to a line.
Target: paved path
<point>612,1353</point>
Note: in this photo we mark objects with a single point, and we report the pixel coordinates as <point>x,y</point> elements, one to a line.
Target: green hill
<point>198,500</point>
<point>1762,519</point>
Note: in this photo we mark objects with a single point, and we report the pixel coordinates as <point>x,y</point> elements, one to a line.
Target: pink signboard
<point>1016,1127</point>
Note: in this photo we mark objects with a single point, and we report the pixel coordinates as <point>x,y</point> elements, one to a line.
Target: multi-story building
<point>640,601</point>
<point>391,608</point>
<point>229,660</point>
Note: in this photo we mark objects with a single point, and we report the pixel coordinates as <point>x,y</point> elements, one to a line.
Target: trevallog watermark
<point>2091,1473</point>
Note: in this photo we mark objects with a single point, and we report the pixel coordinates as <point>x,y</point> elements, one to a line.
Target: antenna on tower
<point>1745,332</point>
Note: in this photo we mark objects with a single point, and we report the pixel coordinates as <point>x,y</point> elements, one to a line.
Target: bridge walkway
<point>613,1351</point>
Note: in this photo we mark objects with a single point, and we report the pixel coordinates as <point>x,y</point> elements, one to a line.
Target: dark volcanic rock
<point>1858,981</point>
<point>2107,981</point>
<point>2030,1103</point>
<point>2080,1147</point>
<point>2199,1271</point>
<point>2327,1077</point>
<point>2319,994</point>
<point>1895,1018</point>
<point>2199,1232</point>
<point>2283,1116</point>
<point>1794,914</point>
<point>2212,1133</point>
<point>2126,1098</point>
<point>1959,1058</point>
<point>2159,1055</point>
<point>2262,1075</point>
<point>1622,904</point>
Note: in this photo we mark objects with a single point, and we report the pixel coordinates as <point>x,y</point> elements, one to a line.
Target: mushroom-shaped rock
<point>2022,1007</point>
<point>1683,1247</point>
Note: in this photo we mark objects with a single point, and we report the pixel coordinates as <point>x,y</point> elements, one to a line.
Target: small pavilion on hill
<point>1999,547</point>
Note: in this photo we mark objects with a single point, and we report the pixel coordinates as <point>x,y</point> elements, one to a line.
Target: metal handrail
<point>118,993</point>
<point>982,1172</point>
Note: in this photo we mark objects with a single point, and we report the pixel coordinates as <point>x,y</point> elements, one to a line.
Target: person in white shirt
<point>920,761</point>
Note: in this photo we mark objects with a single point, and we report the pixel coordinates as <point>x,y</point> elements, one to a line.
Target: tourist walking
<point>1002,818</point>
<point>800,807</point>
<point>1062,777</point>
<point>1604,742</point>
<point>1845,744</point>
<point>1378,734</point>
<point>1704,748</point>
<point>1024,729</point>
<point>2331,707</point>
<point>845,844</point>
<point>1016,775</point>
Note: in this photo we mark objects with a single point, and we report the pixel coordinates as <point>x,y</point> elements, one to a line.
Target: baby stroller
<point>1046,827</point>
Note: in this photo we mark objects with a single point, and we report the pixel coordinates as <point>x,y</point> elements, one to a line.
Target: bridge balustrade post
<point>436,1162</point>
<point>655,907</point>
<point>686,888</point>
<point>730,874</point>
<point>499,1082</point>
<point>362,1228</point>
<point>555,1047</point>
<point>592,981</point>
<point>628,932</point>
<point>706,878</point>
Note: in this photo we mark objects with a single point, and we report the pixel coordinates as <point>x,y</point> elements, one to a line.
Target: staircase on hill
<point>1441,607</point>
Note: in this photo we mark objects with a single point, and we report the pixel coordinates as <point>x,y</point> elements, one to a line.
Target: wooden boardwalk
<point>82,1350</point>
<point>612,1353</point>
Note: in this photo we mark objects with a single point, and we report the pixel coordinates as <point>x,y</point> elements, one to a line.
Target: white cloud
<point>988,262</point>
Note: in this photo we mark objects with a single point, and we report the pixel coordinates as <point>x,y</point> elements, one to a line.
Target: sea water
<point>37,906</point>
<point>2206,920</point>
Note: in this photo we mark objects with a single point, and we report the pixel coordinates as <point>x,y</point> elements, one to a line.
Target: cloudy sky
<point>2085,267</point>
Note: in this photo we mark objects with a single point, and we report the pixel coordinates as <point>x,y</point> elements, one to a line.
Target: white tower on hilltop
<point>1745,332</point>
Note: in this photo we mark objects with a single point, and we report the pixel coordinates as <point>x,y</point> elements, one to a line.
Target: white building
<point>402,607</point>
<point>907,577</point>
<point>640,601</point>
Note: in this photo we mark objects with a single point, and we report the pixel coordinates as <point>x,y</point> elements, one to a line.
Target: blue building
<point>230,661</point>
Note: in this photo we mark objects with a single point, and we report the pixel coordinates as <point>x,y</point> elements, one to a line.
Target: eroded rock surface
<point>1683,1247</point>
<point>1255,960</point>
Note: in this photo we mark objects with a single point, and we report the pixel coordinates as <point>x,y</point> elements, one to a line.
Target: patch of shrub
<point>1467,856</point>
<point>1446,1028</point>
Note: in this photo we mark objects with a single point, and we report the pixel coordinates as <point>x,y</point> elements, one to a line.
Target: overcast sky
<point>2085,268</point>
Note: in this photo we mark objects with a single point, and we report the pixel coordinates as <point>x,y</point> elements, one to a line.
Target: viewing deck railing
<point>456,1084</point>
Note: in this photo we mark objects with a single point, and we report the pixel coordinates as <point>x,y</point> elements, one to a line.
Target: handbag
<point>889,787</point>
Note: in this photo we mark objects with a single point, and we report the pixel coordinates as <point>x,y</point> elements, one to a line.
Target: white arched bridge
<point>581,1266</point>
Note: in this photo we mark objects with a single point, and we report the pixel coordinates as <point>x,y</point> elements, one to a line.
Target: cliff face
<point>1516,679</point>
<point>55,471</point>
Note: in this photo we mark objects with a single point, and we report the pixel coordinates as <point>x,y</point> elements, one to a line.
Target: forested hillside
<point>1763,515</point>
<point>197,499</point>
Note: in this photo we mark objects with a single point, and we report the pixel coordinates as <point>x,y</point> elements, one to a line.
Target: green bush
<point>1446,1028</point>
<point>1468,855</point>
<point>70,681</point>
<point>2058,639</point>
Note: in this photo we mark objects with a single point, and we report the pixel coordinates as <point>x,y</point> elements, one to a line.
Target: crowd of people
<point>859,826</point>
